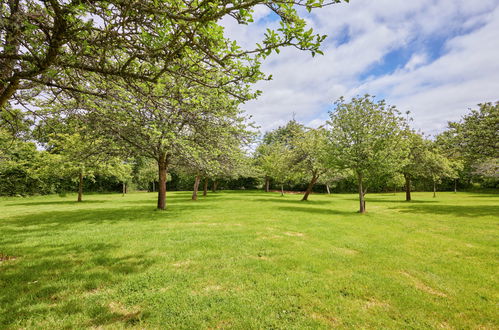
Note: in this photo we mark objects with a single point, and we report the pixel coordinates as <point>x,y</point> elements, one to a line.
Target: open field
<point>250,260</point>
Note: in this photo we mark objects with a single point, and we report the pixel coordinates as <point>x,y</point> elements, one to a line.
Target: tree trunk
<point>214,186</point>
<point>80,187</point>
<point>455,186</point>
<point>267,184</point>
<point>282,190</point>
<point>153,187</point>
<point>123,189</point>
<point>362,202</point>
<point>407,188</point>
<point>434,189</point>
<point>310,187</point>
<point>196,186</point>
<point>327,188</point>
<point>162,172</point>
<point>205,187</point>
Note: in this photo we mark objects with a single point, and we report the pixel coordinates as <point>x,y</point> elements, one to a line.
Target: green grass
<point>250,260</point>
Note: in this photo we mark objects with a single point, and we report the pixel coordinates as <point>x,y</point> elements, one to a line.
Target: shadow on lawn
<point>63,279</point>
<point>35,203</point>
<point>314,210</point>
<point>290,201</point>
<point>60,220</point>
<point>451,210</point>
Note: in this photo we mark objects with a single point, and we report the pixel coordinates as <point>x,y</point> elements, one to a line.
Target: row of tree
<point>373,143</point>
<point>108,80</point>
<point>365,140</point>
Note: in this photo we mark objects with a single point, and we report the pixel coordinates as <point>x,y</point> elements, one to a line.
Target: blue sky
<point>435,58</point>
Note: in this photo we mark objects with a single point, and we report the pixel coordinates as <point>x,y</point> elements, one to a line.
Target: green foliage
<point>60,45</point>
<point>366,138</point>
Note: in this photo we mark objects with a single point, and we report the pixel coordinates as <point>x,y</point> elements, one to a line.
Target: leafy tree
<point>414,167</point>
<point>285,136</point>
<point>61,44</point>
<point>275,160</point>
<point>365,137</point>
<point>165,123</point>
<point>471,143</point>
<point>436,167</point>
<point>81,156</point>
<point>310,150</point>
<point>18,163</point>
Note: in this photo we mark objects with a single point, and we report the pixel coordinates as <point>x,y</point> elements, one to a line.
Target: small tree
<point>310,151</point>
<point>436,167</point>
<point>365,137</point>
<point>275,160</point>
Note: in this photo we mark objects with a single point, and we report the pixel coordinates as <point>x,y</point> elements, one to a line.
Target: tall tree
<point>366,137</point>
<point>310,151</point>
<point>414,167</point>
<point>61,44</point>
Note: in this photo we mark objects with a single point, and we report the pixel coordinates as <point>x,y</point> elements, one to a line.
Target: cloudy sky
<point>435,58</point>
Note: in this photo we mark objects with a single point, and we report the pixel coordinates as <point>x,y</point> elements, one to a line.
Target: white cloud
<point>434,89</point>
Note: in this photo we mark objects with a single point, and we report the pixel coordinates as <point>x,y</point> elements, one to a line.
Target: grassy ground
<point>250,260</point>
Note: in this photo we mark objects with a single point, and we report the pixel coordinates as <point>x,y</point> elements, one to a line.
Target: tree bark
<point>327,188</point>
<point>407,187</point>
<point>310,187</point>
<point>162,172</point>
<point>455,186</point>
<point>362,202</point>
<point>214,186</point>
<point>153,187</point>
<point>80,187</point>
<point>267,184</point>
<point>123,189</point>
<point>196,187</point>
<point>282,190</point>
<point>434,189</point>
<point>205,187</point>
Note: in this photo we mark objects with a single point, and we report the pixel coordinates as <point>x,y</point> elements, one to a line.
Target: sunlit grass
<point>250,260</point>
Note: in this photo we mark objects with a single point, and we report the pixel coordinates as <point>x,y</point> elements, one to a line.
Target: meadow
<point>250,260</point>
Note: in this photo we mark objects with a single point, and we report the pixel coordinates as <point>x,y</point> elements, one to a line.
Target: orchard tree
<point>366,138</point>
<point>78,156</point>
<point>285,136</point>
<point>60,45</point>
<point>310,152</point>
<point>437,167</point>
<point>164,122</point>
<point>414,167</point>
<point>275,160</point>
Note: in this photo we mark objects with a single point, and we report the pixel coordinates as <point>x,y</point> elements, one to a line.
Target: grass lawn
<point>250,260</point>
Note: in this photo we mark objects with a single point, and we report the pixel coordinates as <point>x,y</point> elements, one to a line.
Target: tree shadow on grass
<point>61,220</point>
<point>290,201</point>
<point>62,279</point>
<point>35,203</point>
<point>451,210</point>
<point>414,201</point>
<point>314,210</point>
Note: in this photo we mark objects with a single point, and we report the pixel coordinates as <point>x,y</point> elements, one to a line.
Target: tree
<point>472,142</point>
<point>61,44</point>
<point>365,137</point>
<point>81,156</point>
<point>310,150</point>
<point>283,136</point>
<point>275,160</point>
<point>417,150</point>
<point>436,168</point>
<point>477,133</point>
